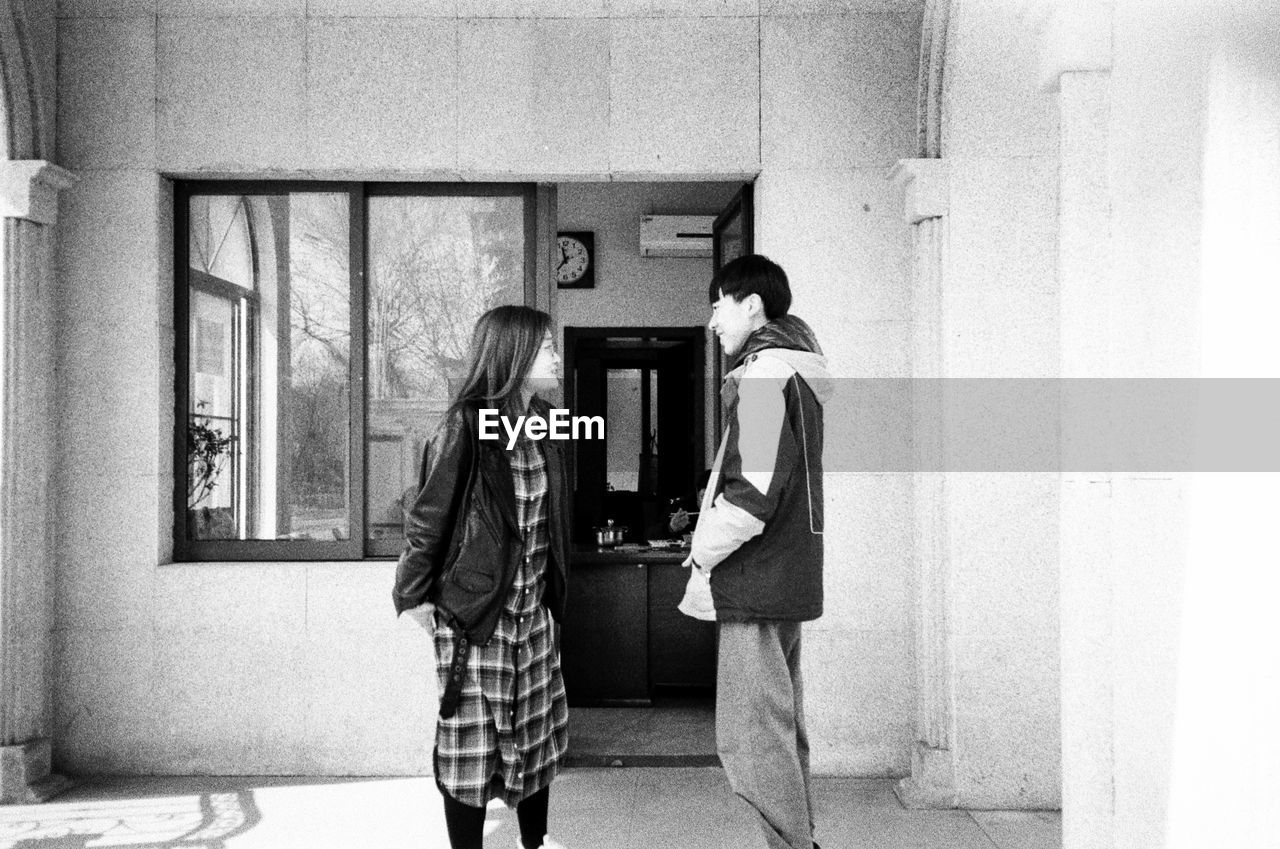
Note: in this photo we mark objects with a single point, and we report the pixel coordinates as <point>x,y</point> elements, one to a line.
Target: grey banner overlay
<point>1133,425</point>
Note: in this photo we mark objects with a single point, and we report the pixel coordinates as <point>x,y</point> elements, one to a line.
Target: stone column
<point>29,202</point>
<point>1085,555</point>
<point>932,781</point>
<point>1075,55</point>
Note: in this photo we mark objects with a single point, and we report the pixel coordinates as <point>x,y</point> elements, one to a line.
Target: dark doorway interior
<point>640,675</point>
<point>652,377</point>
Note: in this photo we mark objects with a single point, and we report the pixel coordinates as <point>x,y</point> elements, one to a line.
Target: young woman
<point>485,568</point>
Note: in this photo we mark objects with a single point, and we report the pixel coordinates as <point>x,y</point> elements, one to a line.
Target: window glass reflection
<point>269,353</point>
<point>624,433</point>
<point>435,264</point>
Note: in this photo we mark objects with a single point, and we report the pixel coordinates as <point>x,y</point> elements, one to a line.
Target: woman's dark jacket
<point>463,558</point>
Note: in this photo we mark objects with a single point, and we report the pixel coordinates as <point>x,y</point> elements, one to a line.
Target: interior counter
<point>622,637</point>
<point>586,555</point>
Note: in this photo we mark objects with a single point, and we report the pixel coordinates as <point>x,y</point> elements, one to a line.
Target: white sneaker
<point>547,843</point>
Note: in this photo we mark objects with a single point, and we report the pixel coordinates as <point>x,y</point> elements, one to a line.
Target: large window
<point>321,332</point>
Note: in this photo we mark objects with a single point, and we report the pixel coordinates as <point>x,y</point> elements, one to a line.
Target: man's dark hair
<point>754,274</point>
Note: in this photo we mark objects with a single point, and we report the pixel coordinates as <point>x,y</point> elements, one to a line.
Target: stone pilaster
<point>1075,58</point>
<point>29,203</point>
<point>932,781</point>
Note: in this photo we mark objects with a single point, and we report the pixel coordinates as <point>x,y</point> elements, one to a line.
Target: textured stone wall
<point>299,667</point>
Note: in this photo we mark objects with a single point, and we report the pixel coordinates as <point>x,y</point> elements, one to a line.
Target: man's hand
<point>425,615</point>
<point>689,561</point>
<point>697,601</point>
<point>679,521</point>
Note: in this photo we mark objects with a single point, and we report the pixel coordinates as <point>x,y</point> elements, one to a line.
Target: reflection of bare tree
<point>314,419</point>
<point>319,286</point>
<point>436,264</point>
<point>317,438</point>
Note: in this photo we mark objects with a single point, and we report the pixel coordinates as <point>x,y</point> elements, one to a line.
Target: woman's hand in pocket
<point>425,615</point>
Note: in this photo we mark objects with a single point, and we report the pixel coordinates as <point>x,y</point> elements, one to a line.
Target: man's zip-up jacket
<point>759,531</point>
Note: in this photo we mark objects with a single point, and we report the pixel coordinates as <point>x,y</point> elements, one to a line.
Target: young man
<point>758,544</point>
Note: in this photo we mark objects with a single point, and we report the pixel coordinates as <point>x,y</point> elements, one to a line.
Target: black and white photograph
<point>619,424</point>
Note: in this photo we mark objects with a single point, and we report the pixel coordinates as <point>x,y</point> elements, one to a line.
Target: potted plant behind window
<point>207,453</point>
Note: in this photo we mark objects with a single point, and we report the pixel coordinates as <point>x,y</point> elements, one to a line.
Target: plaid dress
<point>511,727</point>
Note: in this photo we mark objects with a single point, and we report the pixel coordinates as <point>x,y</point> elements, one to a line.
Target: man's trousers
<point>760,732</point>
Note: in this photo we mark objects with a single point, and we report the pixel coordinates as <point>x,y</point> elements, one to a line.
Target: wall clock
<point>575,260</point>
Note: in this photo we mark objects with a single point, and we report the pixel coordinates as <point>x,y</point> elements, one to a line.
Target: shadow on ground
<point>205,820</point>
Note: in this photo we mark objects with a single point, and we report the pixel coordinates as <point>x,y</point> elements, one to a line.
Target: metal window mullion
<point>357,406</point>
<point>252,424</point>
<point>530,200</point>
<point>239,403</point>
<point>182,371</point>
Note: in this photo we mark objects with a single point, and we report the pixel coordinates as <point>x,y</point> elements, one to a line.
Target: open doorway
<point>641,675</point>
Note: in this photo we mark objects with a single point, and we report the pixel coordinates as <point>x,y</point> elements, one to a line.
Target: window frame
<point>242,421</point>
<point>355,547</point>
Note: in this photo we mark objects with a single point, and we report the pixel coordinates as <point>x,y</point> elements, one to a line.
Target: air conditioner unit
<point>676,235</point>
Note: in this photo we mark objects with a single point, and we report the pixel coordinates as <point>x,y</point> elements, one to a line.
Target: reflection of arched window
<point>223,320</point>
<point>268,368</point>
<point>221,243</point>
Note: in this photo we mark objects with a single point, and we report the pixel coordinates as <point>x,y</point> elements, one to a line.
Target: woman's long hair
<point>503,347</point>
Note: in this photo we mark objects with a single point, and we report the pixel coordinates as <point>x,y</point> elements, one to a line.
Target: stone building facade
<point>957,188</point>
